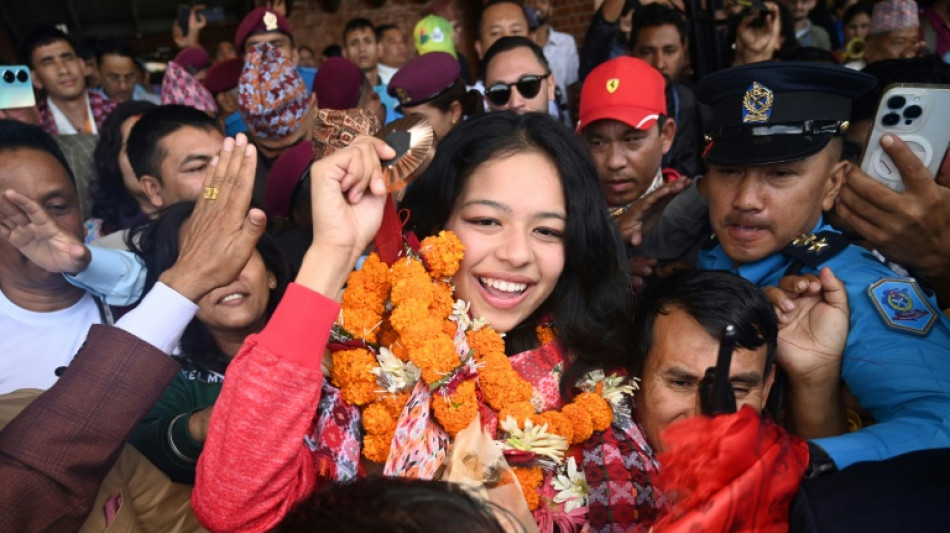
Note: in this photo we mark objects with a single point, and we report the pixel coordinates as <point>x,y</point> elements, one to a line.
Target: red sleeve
<point>255,465</point>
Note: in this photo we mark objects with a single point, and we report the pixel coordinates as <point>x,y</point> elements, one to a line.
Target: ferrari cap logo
<point>270,21</point>
<point>612,85</point>
<point>757,104</point>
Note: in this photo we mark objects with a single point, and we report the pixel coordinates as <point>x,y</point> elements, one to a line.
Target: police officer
<point>774,168</point>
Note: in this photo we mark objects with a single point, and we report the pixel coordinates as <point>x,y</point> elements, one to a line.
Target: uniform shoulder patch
<point>902,305</point>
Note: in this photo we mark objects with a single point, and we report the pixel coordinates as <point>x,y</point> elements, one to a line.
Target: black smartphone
<point>210,14</point>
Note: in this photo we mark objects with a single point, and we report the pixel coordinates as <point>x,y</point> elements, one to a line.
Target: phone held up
<point>210,14</point>
<point>919,114</point>
<point>16,88</point>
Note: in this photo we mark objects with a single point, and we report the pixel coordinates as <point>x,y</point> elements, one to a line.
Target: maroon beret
<point>337,84</point>
<point>423,78</point>
<point>224,76</point>
<point>193,59</point>
<point>260,20</point>
<point>284,176</point>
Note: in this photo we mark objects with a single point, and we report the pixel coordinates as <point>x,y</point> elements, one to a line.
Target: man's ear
<point>153,190</point>
<point>667,133</point>
<point>552,88</point>
<point>833,186</point>
<point>294,57</point>
<point>478,50</point>
<point>36,80</point>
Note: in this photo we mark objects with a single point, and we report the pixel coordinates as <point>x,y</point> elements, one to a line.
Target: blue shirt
<point>902,378</point>
<point>388,101</point>
<point>234,124</point>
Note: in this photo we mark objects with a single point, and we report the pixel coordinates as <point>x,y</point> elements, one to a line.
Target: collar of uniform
<point>758,271</point>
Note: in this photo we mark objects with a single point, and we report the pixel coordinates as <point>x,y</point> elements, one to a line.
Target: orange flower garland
<point>410,310</point>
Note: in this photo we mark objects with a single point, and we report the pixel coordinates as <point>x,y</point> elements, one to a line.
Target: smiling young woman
<point>522,196</point>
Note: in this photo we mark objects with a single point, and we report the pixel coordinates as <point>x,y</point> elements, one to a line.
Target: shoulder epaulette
<point>815,249</point>
<point>709,242</point>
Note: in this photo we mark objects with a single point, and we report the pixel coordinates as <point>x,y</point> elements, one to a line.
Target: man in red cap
<point>623,120</point>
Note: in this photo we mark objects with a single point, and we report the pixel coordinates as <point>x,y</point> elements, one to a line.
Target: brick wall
<point>318,28</point>
<point>572,16</point>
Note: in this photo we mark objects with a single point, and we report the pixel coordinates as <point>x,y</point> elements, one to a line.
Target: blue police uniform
<point>897,358</point>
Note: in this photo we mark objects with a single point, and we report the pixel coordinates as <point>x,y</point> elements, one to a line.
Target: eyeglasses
<point>528,86</point>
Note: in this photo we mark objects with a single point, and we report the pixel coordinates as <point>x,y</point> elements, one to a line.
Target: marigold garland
<point>409,308</point>
<point>530,479</point>
<point>456,411</point>
<point>443,253</point>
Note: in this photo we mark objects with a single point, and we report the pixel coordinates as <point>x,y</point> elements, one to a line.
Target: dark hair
<point>383,28</point>
<point>511,42</point>
<point>16,135</point>
<point>592,302</point>
<point>157,243</point>
<point>855,10</point>
<point>715,299</point>
<point>652,15</point>
<point>113,47</point>
<point>111,201</point>
<point>490,3</point>
<point>305,47</point>
<point>391,504</point>
<point>144,145</point>
<point>41,36</point>
<point>334,50</point>
<point>471,100</point>
<point>358,23</point>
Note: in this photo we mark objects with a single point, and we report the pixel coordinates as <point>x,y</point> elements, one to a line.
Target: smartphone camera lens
<point>913,111</point>
<point>22,76</point>
<point>896,102</point>
<point>8,76</point>
<point>891,119</point>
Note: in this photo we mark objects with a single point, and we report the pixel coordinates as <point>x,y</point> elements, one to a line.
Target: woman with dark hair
<point>542,265</point>
<point>118,199</point>
<point>430,86</point>
<point>173,433</point>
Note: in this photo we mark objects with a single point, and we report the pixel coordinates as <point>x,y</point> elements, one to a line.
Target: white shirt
<point>561,53</point>
<point>385,72</point>
<point>63,125</point>
<point>33,345</point>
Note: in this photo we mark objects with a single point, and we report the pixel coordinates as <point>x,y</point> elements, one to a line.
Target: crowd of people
<point>634,288</point>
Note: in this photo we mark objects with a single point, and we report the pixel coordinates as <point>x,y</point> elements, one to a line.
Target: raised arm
<point>255,464</point>
<point>54,455</point>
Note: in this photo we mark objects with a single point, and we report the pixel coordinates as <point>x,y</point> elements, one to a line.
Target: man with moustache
<point>774,167</point>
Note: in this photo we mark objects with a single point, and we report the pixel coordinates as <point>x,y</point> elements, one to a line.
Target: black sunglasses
<point>528,86</point>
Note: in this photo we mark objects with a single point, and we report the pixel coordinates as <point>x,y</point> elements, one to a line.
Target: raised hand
<point>218,239</point>
<point>37,236</point>
<point>347,195</point>
<point>813,316</point>
<point>910,227</point>
<point>643,214</point>
<point>756,41</point>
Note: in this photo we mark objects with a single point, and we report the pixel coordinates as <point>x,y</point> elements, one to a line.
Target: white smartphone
<point>918,114</point>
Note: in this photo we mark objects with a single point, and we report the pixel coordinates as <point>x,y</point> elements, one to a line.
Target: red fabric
<point>388,239</point>
<point>734,472</point>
